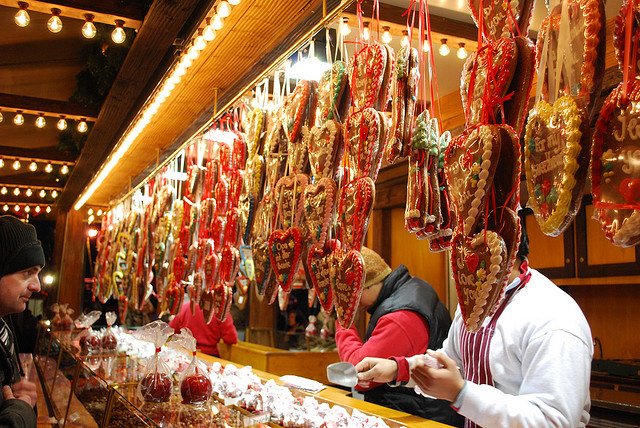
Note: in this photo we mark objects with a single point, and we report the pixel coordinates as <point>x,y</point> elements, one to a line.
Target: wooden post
<point>71,266</point>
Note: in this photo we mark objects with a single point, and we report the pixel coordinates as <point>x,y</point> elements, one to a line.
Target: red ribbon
<point>614,206</point>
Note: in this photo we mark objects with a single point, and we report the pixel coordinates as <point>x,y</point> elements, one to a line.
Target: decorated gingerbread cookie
<point>290,199</point>
<point>300,109</point>
<point>349,277</point>
<point>285,251</point>
<point>320,266</point>
<point>632,8</point>
<point>362,140</point>
<point>319,204</point>
<point>502,18</point>
<point>615,166</point>
<point>354,210</point>
<point>517,106</point>
<point>366,76</point>
<point>333,94</point>
<point>325,148</point>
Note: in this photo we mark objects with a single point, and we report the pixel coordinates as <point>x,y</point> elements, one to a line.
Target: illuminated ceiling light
<point>344,27</point>
<point>18,119</point>
<point>223,9</point>
<point>33,166</point>
<point>118,35</point>
<point>99,213</point>
<point>1,163</point>
<point>16,164</point>
<point>92,232</point>
<point>82,126</point>
<point>88,29</point>
<point>425,45</point>
<point>386,35</point>
<point>209,33</point>
<point>48,210</point>
<point>1,117</point>
<point>54,24</point>
<point>405,38</point>
<point>62,123</point>
<point>64,170</point>
<point>29,192</point>
<point>234,2</point>
<point>3,190</point>
<point>22,18</point>
<point>27,209</point>
<point>38,209</point>
<point>16,191</point>
<point>90,211</point>
<point>462,52</point>
<point>43,193</point>
<point>193,53</point>
<point>41,121</point>
<point>217,22</point>
<point>16,208</point>
<point>5,208</point>
<point>54,193</point>
<point>444,48</point>
<point>200,43</point>
<point>48,168</point>
<point>90,219</point>
<point>366,34</point>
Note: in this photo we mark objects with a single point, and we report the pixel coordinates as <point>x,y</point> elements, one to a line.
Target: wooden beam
<point>162,24</point>
<point>439,24</point>
<point>49,154</point>
<point>105,11</point>
<point>54,108</point>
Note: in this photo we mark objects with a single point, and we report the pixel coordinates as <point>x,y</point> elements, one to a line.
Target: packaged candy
<point>155,385</point>
<point>195,384</point>
<point>88,339</point>
<point>109,340</point>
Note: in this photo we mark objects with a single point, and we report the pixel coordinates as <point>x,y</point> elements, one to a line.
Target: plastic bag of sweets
<point>155,385</point>
<point>195,385</point>
<point>88,338</point>
<point>56,319</point>
<point>109,340</point>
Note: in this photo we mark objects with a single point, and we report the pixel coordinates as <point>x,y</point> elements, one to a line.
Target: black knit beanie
<point>19,246</point>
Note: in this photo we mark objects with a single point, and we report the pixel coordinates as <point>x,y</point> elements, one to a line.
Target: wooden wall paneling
<point>261,320</point>
<point>612,314</point>
<point>71,277</point>
<point>61,224</point>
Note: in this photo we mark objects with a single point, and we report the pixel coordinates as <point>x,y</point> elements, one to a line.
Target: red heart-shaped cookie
<point>349,280</point>
<point>633,7</point>
<point>285,250</point>
<point>319,201</point>
<point>206,303</point>
<point>211,268</point>
<point>290,197</point>
<point>366,76</point>
<point>354,210</point>
<point>218,226</point>
<point>362,140</point>
<point>300,109</point>
<point>324,146</point>
<point>239,152</point>
<point>232,228</point>
<point>236,184</point>
<point>479,271</point>
<point>229,264</point>
<point>222,298</point>
<point>195,291</point>
<point>501,17</point>
<point>174,297</point>
<point>320,266</point>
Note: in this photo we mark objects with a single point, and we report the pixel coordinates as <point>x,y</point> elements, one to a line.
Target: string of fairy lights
<point>33,165</point>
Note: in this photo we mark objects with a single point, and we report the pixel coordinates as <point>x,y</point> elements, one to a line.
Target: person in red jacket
<point>207,335</point>
<point>406,317</point>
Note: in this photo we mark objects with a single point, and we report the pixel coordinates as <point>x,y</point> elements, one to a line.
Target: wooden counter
<point>312,365</point>
<point>334,396</point>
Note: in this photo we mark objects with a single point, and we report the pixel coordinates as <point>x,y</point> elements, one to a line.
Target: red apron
<point>474,347</point>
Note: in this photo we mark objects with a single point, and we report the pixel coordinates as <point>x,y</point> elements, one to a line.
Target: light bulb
<point>41,121</point>
<point>1,117</point>
<point>3,190</point>
<point>62,124</point>
<point>22,18</point>
<point>5,208</point>
<point>29,192</point>
<point>16,164</point>
<point>366,34</point>
<point>405,38</point>
<point>118,35</point>
<point>90,211</point>
<point>344,28</point>
<point>193,53</point>
<point>48,168</point>
<point>16,191</point>
<point>82,126</point>
<point>37,208</point>
<point>425,45</point>
<point>42,193</point>
<point>217,22</point>
<point>209,33</point>
<point>99,212</point>
<point>223,9</point>
<point>17,208</point>
<point>234,2</point>
<point>88,29</point>
<point>444,48</point>
<point>90,219</point>
<point>64,170</point>
<point>54,24</point>
<point>48,210</point>
<point>386,35</point>
<point>54,194</point>
<point>18,119</point>
<point>27,209</point>
<point>462,52</point>
<point>33,166</point>
<point>1,163</point>
<point>200,43</point>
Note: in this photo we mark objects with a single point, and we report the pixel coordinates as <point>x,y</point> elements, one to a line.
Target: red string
<point>614,206</point>
<point>627,51</point>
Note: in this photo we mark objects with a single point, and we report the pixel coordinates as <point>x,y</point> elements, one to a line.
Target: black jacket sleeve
<point>16,414</point>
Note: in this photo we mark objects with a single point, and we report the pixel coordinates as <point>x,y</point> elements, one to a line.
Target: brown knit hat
<point>375,267</point>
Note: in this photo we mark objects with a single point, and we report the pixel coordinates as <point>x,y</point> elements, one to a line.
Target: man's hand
<point>379,370</point>
<point>25,391</point>
<point>444,383</point>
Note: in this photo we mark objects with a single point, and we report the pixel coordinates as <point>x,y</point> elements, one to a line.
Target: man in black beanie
<point>21,259</point>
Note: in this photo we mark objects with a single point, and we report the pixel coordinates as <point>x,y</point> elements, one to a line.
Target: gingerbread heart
<point>285,250</point>
<point>615,171</point>
<point>349,280</point>
<point>366,76</point>
<point>354,210</point>
<point>479,266</point>
<point>485,80</point>
<point>319,202</point>
<point>254,131</point>
<point>207,213</point>
<point>254,176</point>
<point>386,88</point>
<point>218,226</point>
<point>236,184</point>
<point>290,197</point>
<point>232,228</point>
<point>501,17</point>
<point>229,264</point>
<point>554,163</point>
<point>239,152</point>
<point>333,94</point>
<point>247,210</point>
<point>320,265</point>
<point>211,268</point>
<point>222,196</point>
<point>300,109</point>
<point>325,147</point>
<point>470,164</point>
<point>222,298</point>
<point>206,303</point>
<point>271,289</point>
<point>261,264</point>
<point>195,291</point>
<point>506,180</point>
<point>174,297</point>
<point>628,7</point>
<point>264,217</point>
<point>363,142</point>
